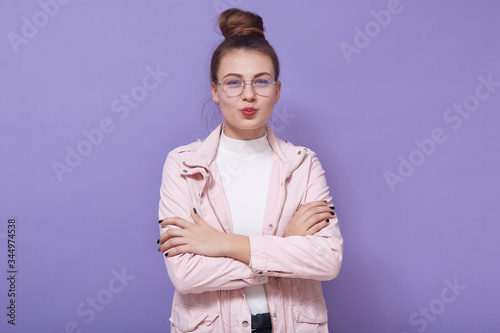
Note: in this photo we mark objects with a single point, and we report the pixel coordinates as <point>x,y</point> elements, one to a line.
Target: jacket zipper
<point>228,297</point>
<point>208,197</point>
<point>284,187</point>
<point>283,303</point>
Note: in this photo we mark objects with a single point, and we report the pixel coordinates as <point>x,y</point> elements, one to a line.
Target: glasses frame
<point>243,88</point>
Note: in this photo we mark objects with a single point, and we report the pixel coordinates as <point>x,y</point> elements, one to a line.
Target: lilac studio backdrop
<point>399,99</point>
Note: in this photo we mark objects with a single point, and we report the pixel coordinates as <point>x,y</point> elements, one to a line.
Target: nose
<point>248,93</point>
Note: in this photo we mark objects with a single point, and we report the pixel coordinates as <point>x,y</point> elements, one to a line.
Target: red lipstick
<point>248,112</point>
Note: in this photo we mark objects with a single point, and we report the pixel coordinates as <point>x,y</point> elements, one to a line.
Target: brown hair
<point>242,30</point>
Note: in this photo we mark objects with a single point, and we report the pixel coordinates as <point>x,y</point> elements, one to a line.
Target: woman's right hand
<point>309,219</point>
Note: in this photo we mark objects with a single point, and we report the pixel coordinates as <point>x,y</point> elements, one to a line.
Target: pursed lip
<point>248,109</point>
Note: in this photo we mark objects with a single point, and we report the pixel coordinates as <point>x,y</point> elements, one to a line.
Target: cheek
<point>268,111</point>
<point>229,102</point>
<point>270,105</point>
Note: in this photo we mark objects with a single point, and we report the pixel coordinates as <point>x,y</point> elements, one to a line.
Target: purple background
<point>404,245</point>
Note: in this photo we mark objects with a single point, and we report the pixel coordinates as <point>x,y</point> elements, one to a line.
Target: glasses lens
<point>263,86</point>
<point>233,87</point>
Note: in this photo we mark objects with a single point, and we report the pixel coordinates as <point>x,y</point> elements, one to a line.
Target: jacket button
<point>270,226</point>
<point>299,152</point>
<point>245,323</point>
<point>274,315</point>
<point>185,171</point>
<point>259,272</point>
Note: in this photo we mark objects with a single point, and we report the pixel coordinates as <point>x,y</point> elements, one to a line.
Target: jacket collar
<point>289,154</point>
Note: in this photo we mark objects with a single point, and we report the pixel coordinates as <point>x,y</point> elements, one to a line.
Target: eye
<point>263,82</point>
<point>233,83</point>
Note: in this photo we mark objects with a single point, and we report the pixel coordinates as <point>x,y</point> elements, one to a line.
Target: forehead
<point>246,63</point>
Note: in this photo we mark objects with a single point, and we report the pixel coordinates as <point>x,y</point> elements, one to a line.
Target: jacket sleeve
<point>317,257</point>
<point>192,273</point>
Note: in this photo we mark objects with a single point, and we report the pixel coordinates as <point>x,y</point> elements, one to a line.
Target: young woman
<point>247,225</point>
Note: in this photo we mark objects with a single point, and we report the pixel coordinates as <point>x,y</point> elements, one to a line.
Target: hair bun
<point>234,22</point>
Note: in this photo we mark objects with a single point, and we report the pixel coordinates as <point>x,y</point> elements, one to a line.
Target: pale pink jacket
<point>210,294</point>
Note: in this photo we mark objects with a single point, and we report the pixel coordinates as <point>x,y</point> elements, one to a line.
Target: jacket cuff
<point>257,276</point>
<point>258,255</point>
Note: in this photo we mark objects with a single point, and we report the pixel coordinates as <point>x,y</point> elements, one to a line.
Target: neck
<point>244,134</point>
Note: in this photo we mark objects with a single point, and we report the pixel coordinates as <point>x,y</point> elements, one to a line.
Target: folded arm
<point>190,272</point>
<point>317,256</point>
<point>201,258</point>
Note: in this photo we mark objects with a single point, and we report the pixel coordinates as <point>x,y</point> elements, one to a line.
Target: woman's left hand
<point>196,238</point>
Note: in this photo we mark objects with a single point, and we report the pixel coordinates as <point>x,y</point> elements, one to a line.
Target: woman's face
<point>245,65</point>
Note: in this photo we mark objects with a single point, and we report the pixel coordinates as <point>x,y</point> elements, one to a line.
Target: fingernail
<point>166,254</point>
<point>159,249</point>
<point>158,241</point>
<point>333,213</point>
<point>194,209</point>
<point>327,220</point>
<point>332,207</point>
<point>160,221</point>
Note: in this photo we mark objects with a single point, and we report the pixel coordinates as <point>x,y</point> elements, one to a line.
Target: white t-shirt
<point>245,167</point>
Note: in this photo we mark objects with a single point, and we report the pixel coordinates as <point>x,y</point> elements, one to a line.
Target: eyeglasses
<point>235,87</point>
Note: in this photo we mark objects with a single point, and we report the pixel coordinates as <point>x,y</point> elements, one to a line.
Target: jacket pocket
<point>311,315</point>
<point>191,319</point>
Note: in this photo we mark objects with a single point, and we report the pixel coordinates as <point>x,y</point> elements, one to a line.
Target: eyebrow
<point>239,75</point>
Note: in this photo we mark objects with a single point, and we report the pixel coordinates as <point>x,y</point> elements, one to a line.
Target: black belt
<point>261,323</point>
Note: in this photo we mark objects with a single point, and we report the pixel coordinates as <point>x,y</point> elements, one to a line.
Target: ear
<point>278,91</point>
<point>215,97</point>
